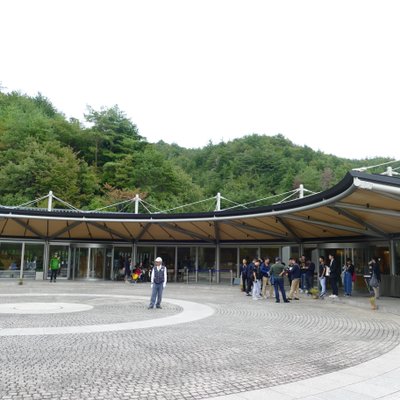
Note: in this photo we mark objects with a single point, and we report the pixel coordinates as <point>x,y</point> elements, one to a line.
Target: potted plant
<point>314,292</point>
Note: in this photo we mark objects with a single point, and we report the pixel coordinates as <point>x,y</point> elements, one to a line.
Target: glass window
<point>121,258</point>
<point>10,260</point>
<point>145,257</point>
<point>383,254</point>
<point>168,256</point>
<point>206,263</point>
<point>187,258</point>
<point>360,260</point>
<point>248,252</point>
<point>33,257</point>
<point>270,252</point>
<point>228,259</point>
<point>228,262</point>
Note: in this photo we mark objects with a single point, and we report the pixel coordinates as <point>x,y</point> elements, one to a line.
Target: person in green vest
<point>54,267</point>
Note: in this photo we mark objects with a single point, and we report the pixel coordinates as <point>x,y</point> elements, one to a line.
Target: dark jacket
<point>334,269</point>
<point>249,271</point>
<point>311,268</point>
<point>265,270</point>
<point>295,271</point>
<point>243,268</point>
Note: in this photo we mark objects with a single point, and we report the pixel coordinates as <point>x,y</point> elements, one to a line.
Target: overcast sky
<point>325,74</point>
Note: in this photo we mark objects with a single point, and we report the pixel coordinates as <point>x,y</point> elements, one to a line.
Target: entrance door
<point>91,263</point>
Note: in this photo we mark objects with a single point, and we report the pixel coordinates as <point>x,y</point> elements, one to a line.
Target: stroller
<point>136,275</point>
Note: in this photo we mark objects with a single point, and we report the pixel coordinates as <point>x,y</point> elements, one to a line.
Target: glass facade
<point>228,261</point>
<point>184,263</point>
<point>33,257</point>
<point>122,259</point>
<point>10,259</point>
<point>272,252</point>
<point>206,271</point>
<point>168,256</point>
<point>145,258</point>
<point>187,264</point>
<point>80,263</point>
<point>248,252</point>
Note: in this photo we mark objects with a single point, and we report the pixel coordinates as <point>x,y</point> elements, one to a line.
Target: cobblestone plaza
<point>98,340</point>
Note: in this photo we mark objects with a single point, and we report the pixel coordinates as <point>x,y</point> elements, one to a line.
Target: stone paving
<point>243,346</point>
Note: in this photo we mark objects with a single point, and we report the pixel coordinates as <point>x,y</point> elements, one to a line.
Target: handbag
<point>373,282</point>
<point>327,271</point>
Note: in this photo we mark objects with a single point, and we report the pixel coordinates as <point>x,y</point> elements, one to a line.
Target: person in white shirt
<point>158,281</point>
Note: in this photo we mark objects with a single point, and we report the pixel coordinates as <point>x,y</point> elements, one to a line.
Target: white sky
<point>322,73</point>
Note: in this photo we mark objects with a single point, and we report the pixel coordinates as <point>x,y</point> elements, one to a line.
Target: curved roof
<point>360,206</point>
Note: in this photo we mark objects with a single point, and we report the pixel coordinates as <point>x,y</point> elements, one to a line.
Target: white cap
<point>159,259</point>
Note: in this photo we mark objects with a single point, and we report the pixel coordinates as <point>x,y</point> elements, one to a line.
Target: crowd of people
<point>263,279</point>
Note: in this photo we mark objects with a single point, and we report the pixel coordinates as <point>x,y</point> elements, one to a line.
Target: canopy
<point>361,206</point>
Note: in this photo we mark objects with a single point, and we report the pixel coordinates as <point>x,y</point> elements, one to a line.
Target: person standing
<point>158,281</point>
<point>277,273</point>
<point>265,271</point>
<point>295,272</point>
<point>322,275</point>
<point>309,275</point>
<point>249,276</point>
<point>348,270</point>
<point>242,272</point>
<point>334,275</point>
<point>256,280</point>
<point>54,267</point>
<point>375,270</point>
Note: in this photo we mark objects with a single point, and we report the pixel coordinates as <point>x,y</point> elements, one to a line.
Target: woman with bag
<point>375,276</point>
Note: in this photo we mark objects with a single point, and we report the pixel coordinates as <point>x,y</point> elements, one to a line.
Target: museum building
<point>357,218</point>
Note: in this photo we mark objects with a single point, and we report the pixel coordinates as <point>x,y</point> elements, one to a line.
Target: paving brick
<point>244,345</point>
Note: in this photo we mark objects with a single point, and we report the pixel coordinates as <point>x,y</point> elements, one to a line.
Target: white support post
<point>134,255</point>
<point>21,270</point>
<point>392,248</point>
<point>137,199</point>
<point>218,206</point>
<point>46,259</point>
<point>197,265</point>
<point>50,201</point>
<point>217,261</point>
<point>301,191</point>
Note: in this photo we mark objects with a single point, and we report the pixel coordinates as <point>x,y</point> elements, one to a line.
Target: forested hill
<point>107,161</point>
<point>259,166</point>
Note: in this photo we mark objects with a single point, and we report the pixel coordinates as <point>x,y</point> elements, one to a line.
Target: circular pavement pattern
<point>244,345</point>
<point>43,308</point>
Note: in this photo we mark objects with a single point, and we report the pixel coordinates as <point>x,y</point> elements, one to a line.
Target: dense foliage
<point>106,161</point>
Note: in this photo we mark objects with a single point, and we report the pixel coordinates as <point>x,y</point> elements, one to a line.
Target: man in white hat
<point>158,281</point>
